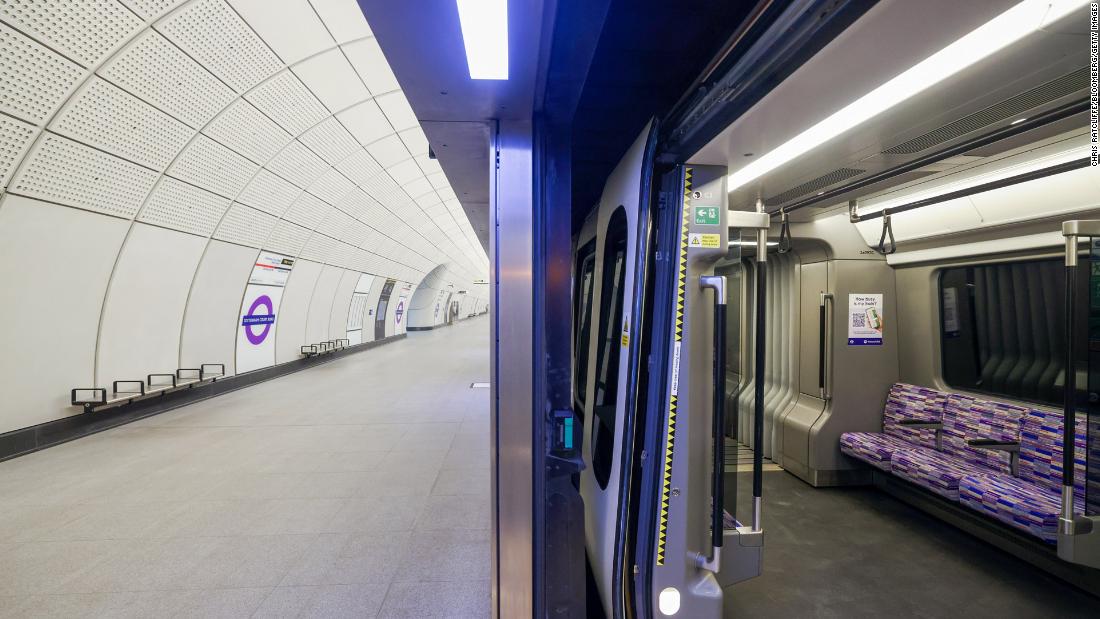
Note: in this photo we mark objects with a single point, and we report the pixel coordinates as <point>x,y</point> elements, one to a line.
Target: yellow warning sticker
<point>626,339</point>
<point>705,241</point>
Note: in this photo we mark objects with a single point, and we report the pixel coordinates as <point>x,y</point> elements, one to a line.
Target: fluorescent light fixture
<point>485,35</point>
<point>1050,156</point>
<point>1018,121</point>
<point>750,243</point>
<point>993,36</point>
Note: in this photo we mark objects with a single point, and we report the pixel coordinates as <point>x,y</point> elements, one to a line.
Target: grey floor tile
<point>470,481</point>
<point>465,600</point>
<point>377,514</point>
<point>285,602</point>
<point>446,555</point>
<point>335,601</point>
<point>295,497</point>
<point>47,567</point>
<point>249,561</point>
<point>454,512</point>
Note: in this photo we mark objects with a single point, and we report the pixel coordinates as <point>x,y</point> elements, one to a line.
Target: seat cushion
<point>933,470</point>
<point>910,402</point>
<point>967,418</point>
<point>874,448</point>
<point>1017,503</point>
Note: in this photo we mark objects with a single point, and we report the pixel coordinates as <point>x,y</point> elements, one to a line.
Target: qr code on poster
<point>859,320</point>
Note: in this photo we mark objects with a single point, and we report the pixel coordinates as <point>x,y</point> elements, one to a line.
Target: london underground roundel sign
<point>253,320</point>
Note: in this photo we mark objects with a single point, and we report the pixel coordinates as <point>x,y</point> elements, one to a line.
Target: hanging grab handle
<point>887,230</point>
<point>717,283</point>
<point>784,232</point>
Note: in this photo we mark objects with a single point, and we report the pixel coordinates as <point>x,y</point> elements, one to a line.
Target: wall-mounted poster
<point>358,308</point>
<point>401,310</point>
<point>865,320</point>
<point>259,311</point>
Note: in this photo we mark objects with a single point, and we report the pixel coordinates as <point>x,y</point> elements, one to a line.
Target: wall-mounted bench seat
<point>128,391</point>
<point>1001,460</point>
<point>978,437</point>
<point>912,417</point>
<point>320,348</point>
<point>1032,500</point>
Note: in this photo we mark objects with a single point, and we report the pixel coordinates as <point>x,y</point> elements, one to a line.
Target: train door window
<point>1003,328</point>
<point>582,322</point>
<point>612,282</point>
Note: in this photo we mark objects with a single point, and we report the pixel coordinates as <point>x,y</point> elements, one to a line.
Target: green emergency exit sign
<point>706,216</point>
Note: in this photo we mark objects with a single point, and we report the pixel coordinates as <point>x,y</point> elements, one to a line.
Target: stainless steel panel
<point>512,408</point>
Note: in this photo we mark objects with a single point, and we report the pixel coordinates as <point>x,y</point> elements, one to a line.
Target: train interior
<point>839,329</point>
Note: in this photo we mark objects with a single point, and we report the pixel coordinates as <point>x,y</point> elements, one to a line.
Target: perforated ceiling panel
<point>208,164</point>
<point>151,8</point>
<point>33,79</point>
<point>246,130</point>
<point>185,114</point>
<point>308,210</point>
<point>331,141</point>
<point>83,30</point>
<point>298,164</point>
<point>160,73</point>
<point>211,32</point>
<point>287,238</point>
<point>359,167</point>
<point>69,173</point>
<point>288,102</point>
<point>245,226</point>
<point>269,193</point>
<point>331,186</point>
<point>180,206</point>
<point>15,136</point>
<point>111,119</point>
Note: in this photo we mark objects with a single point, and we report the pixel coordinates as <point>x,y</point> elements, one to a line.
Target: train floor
<point>856,552</point>
<point>356,488</point>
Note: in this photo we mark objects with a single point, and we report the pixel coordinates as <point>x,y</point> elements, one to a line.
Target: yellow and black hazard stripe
<point>670,436</point>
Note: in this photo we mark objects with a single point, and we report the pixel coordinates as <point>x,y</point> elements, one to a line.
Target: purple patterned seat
<point>964,419</point>
<point>905,402</point>
<point>1032,501</point>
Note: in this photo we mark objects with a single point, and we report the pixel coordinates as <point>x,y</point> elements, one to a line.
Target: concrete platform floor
<point>359,488</point>
<point>857,552</point>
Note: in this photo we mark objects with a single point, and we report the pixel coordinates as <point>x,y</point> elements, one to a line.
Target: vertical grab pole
<point>717,283</point>
<point>758,404</point>
<point>1070,393</point>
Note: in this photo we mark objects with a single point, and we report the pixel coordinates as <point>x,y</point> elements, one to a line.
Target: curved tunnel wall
<point>436,293</point>
<point>151,151</point>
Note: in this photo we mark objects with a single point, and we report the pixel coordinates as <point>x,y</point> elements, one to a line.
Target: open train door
<point>650,362</point>
<point>688,543</point>
<point>612,255</point>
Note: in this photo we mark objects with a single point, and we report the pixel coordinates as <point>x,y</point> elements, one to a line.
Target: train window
<point>582,322</point>
<point>612,283</point>
<point>1003,329</point>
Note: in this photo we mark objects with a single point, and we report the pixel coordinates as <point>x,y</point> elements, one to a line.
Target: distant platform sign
<point>271,269</point>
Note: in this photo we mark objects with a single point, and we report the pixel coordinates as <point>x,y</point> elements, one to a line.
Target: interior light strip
<point>993,36</point>
<point>485,35</point>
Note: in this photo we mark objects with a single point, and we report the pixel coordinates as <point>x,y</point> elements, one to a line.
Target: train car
<point>873,285</point>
